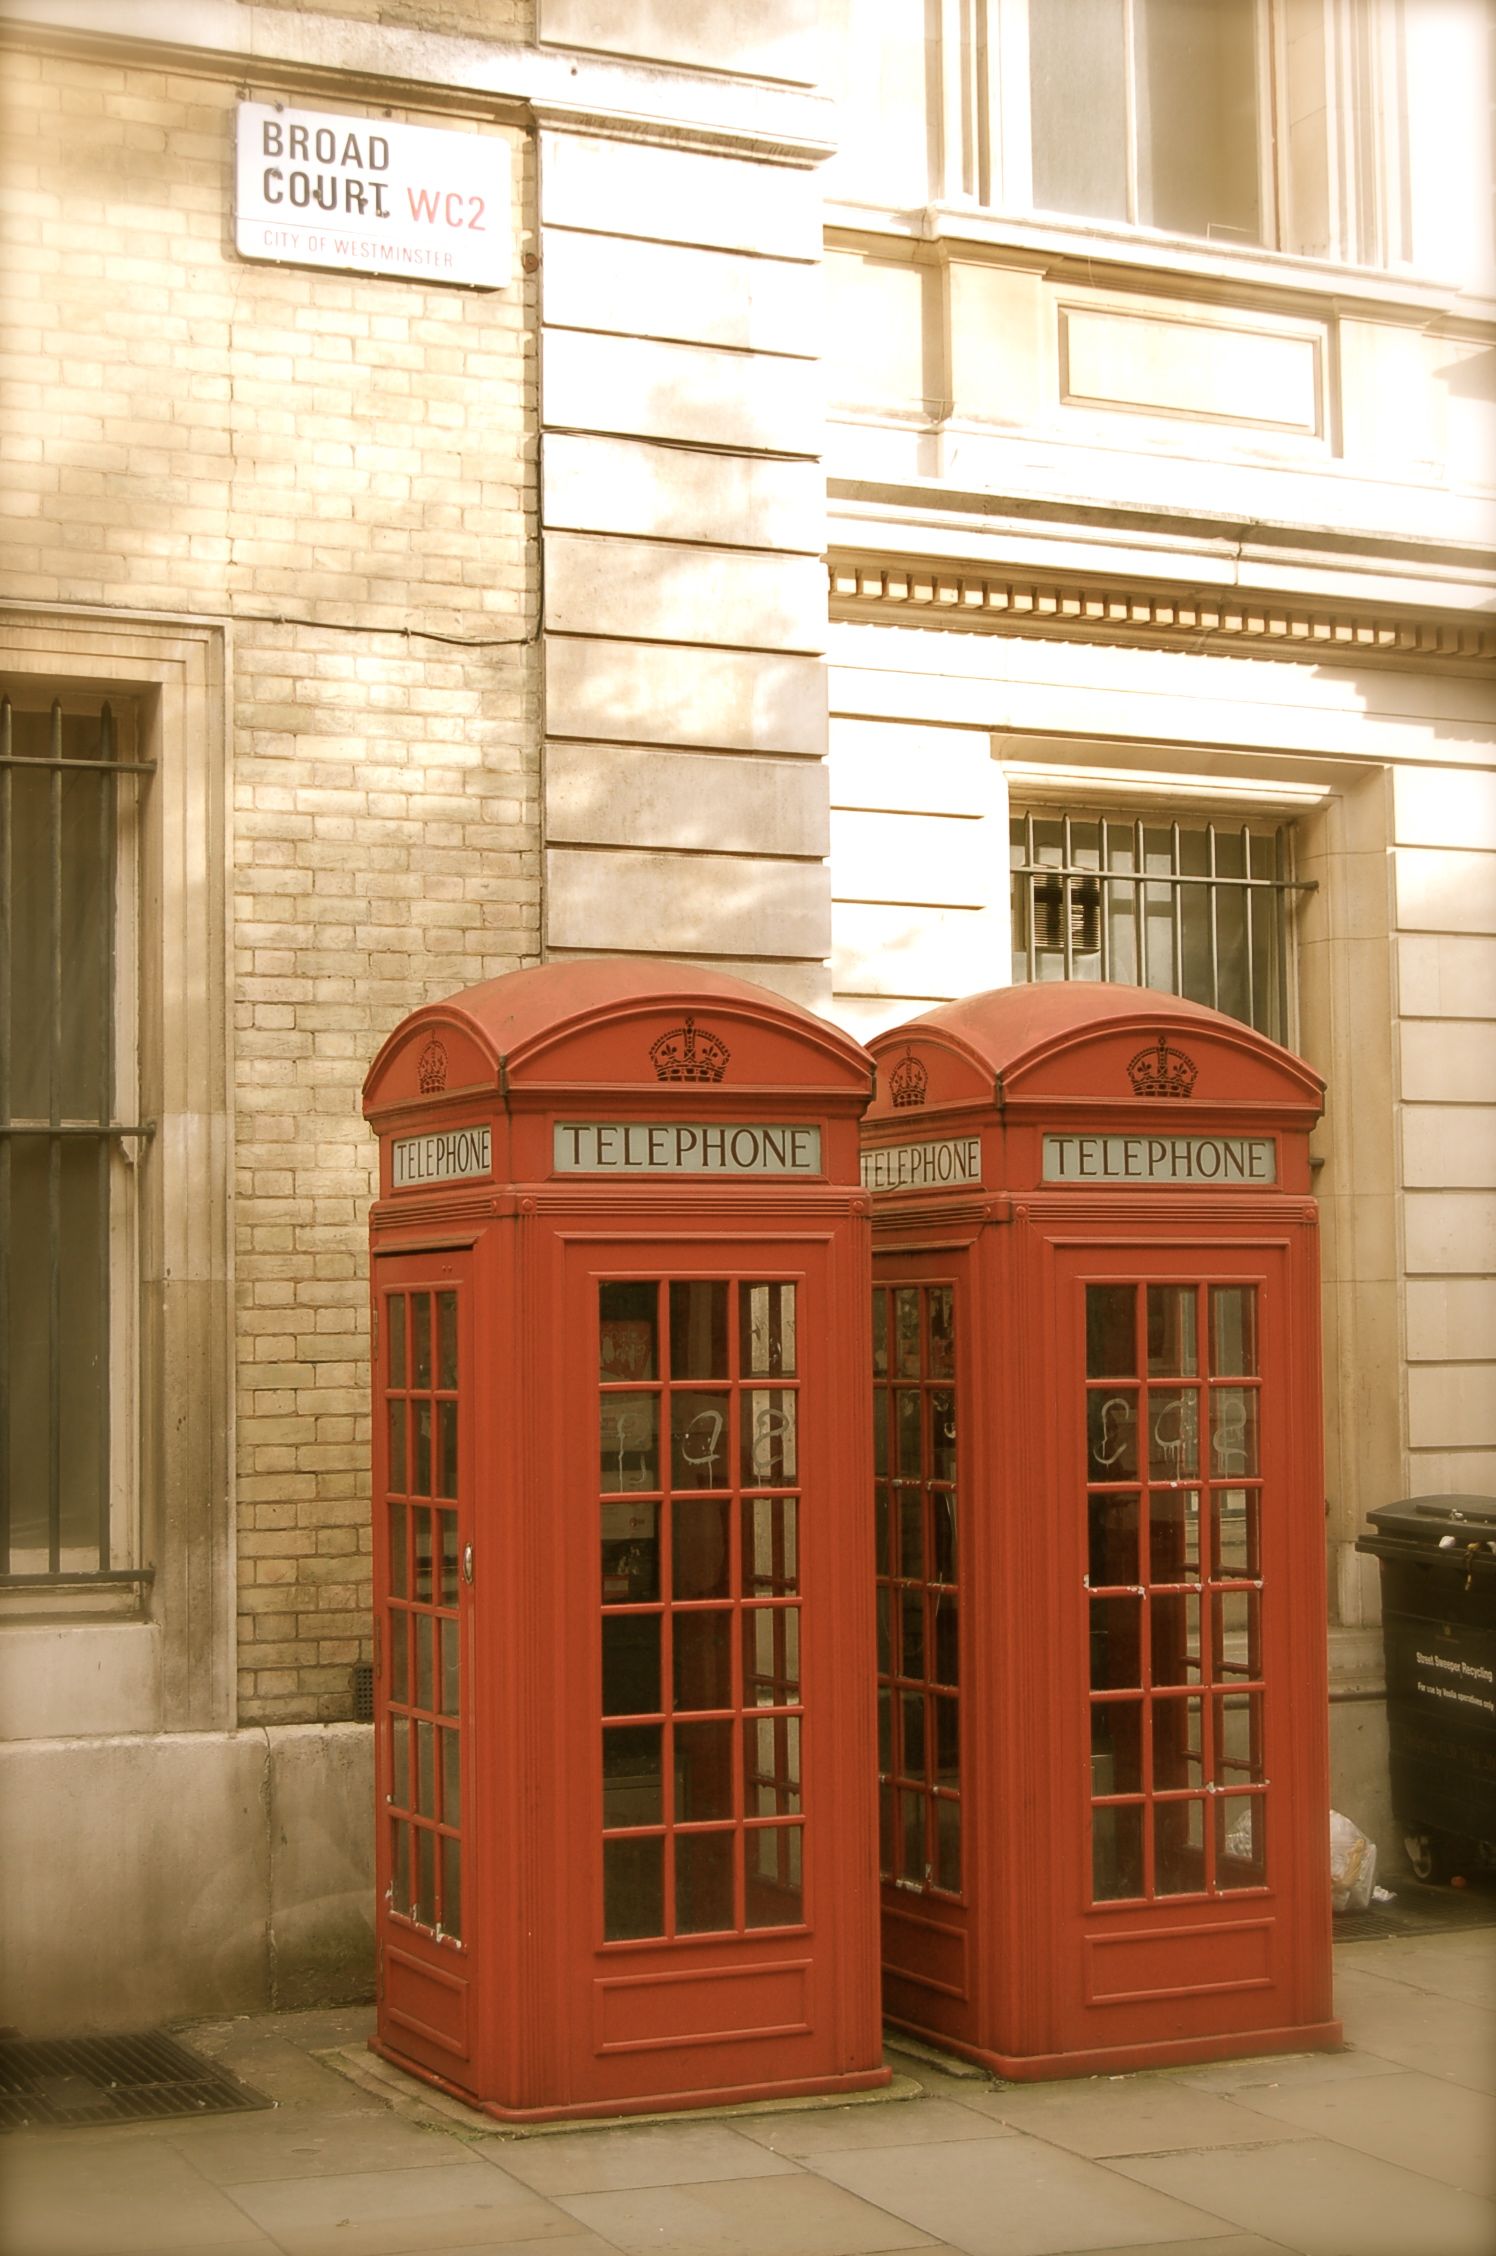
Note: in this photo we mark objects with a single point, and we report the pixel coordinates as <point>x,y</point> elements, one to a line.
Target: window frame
<point>1332,156</point>
<point>1018,168</point>
<point>157,1655</point>
<point>123,1131</point>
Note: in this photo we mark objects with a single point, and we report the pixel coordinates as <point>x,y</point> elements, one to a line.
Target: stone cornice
<point>909,593</point>
<point>299,50</point>
<point>1093,251</point>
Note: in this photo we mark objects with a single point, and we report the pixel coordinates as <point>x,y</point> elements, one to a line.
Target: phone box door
<point>719,1841</point>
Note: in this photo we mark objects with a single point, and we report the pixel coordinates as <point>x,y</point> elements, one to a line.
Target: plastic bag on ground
<point>1353,1865</point>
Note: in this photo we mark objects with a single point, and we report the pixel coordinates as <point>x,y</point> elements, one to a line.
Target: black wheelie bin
<point>1438,1566</point>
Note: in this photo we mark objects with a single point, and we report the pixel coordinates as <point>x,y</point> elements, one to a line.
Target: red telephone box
<point>1102,1675</point>
<point>621,1458</point>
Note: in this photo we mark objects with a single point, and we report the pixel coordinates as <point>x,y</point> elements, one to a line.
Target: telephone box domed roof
<point>599,1020</point>
<point>1078,1039</point>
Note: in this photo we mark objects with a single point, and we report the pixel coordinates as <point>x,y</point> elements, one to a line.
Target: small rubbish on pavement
<point>1353,1865</point>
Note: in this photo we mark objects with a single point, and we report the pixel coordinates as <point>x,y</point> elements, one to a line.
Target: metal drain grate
<point>63,2082</point>
<point>1417,1909</point>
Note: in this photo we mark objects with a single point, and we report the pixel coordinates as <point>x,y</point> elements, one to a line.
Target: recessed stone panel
<point>1149,360</point>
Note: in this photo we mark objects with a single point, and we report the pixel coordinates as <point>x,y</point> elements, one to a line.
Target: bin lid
<point>1433,1523</point>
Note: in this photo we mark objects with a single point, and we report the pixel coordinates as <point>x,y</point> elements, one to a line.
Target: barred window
<point>1199,909</point>
<point>70,794</point>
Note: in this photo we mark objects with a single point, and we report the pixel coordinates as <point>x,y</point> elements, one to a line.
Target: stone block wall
<point>685,800</point>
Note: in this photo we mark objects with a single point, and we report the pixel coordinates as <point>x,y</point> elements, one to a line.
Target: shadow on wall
<point>1472,376</point>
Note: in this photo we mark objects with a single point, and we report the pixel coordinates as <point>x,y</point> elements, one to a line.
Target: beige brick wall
<point>343,468</point>
<point>376,864</point>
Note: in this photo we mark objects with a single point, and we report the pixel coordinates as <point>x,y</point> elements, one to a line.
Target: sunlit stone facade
<point>908,436</point>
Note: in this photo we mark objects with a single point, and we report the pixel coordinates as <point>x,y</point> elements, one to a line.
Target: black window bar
<point>61,776</point>
<point>1195,909</point>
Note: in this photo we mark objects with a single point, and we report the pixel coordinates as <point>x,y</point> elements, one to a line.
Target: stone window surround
<point>1331,165</point>
<point>1342,985</point>
<point>33,839</point>
<point>1114,906</point>
<point>1341,1019</point>
<point>171,1666</point>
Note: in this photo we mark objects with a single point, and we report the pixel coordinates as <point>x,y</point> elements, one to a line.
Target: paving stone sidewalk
<point>1385,2149</point>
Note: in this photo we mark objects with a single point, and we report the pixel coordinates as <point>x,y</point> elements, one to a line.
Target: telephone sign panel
<point>686,1147</point>
<point>1224,1161</point>
<point>443,1158</point>
<point>905,1167</point>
